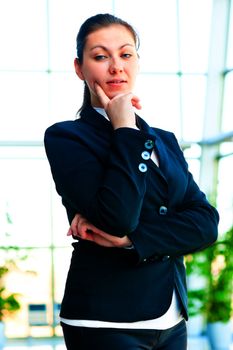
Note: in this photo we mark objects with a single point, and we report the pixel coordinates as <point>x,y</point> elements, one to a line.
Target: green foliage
<point>195,298</point>
<point>10,255</point>
<point>220,280</point>
<point>8,301</point>
<point>197,266</point>
<point>215,266</point>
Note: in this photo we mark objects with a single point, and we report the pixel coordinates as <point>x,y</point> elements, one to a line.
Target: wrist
<point>125,125</point>
<point>131,246</point>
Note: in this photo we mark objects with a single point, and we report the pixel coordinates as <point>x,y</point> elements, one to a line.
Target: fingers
<point>104,100</point>
<point>70,232</point>
<point>136,102</point>
<point>74,226</point>
<point>82,228</point>
<point>117,242</point>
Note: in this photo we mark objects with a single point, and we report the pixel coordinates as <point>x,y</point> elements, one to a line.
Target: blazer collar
<point>92,117</point>
<point>97,120</point>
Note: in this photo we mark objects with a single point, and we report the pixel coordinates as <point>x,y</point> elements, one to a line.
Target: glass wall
<point>38,87</point>
<point>224,187</point>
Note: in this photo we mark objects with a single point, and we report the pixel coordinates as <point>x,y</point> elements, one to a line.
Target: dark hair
<point>89,26</point>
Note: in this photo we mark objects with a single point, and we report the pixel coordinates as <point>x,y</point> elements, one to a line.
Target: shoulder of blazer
<point>166,136</point>
<point>89,122</point>
<point>91,131</point>
<point>169,138</point>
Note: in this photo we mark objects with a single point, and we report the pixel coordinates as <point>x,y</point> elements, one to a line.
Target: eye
<point>126,55</point>
<point>100,57</point>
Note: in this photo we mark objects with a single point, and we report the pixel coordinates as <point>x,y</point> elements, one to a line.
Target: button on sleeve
<point>145,155</point>
<point>163,210</point>
<point>149,144</point>
<point>142,167</point>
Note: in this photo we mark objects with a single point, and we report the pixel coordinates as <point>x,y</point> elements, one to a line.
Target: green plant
<point>220,280</point>
<point>8,301</point>
<point>10,255</point>
<point>197,269</point>
<point>215,266</point>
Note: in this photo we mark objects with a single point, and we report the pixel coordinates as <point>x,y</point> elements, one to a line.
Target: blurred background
<point>185,85</point>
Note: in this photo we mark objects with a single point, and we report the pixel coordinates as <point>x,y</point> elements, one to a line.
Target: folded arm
<point>191,227</point>
<point>108,191</point>
<point>83,229</point>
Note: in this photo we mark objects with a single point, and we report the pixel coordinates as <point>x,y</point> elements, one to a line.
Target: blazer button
<point>163,210</point>
<point>145,155</point>
<point>149,144</point>
<point>142,167</point>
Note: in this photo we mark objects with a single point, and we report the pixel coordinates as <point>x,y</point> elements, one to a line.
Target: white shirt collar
<point>101,111</point>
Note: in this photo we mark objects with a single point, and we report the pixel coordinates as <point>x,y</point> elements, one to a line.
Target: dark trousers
<point>83,338</point>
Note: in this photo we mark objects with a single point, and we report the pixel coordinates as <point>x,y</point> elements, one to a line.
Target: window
<point>38,87</point>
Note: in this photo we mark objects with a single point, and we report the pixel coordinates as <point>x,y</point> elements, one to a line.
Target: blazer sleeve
<point>189,227</point>
<point>109,195</point>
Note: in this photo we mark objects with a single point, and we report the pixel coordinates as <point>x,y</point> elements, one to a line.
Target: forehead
<point>110,36</point>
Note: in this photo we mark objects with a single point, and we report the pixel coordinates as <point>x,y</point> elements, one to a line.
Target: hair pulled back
<point>91,25</point>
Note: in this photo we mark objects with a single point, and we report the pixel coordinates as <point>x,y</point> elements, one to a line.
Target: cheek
<point>91,77</point>
<point>135,69</point>
<point>134,75</point>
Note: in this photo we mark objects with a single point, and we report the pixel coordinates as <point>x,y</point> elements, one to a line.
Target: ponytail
<point>86,98</point>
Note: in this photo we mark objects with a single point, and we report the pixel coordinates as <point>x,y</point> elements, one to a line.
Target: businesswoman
<point>133,206</point>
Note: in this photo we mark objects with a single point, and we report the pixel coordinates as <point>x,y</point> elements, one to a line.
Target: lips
<point>116,81</point>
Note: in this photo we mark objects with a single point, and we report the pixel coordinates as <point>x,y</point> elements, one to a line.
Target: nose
<point>115,66</point>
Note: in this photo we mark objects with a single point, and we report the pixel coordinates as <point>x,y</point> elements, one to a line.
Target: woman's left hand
<point>82,228</point>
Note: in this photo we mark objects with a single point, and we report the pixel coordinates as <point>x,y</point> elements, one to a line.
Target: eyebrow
<point>106,49</point>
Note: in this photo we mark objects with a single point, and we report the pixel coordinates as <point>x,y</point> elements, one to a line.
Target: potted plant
<point>8,303</point>
<point>9,257</point>
<point>197,270</point>
<point>210,289</point>
<point>218,309</point>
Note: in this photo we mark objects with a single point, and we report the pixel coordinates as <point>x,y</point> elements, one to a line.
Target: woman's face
<point>111,60</point>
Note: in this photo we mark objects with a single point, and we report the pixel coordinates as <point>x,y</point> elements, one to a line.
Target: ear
<point>78,70</point>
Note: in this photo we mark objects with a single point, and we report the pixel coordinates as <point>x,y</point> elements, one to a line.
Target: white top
<point>168,320</point>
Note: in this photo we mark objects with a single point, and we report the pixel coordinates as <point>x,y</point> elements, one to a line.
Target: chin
<point>113,94</point>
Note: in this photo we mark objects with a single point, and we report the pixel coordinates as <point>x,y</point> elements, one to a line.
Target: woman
<point>132,204</point>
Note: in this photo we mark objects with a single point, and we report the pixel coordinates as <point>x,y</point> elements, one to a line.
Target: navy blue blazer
<point>107,176</point>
